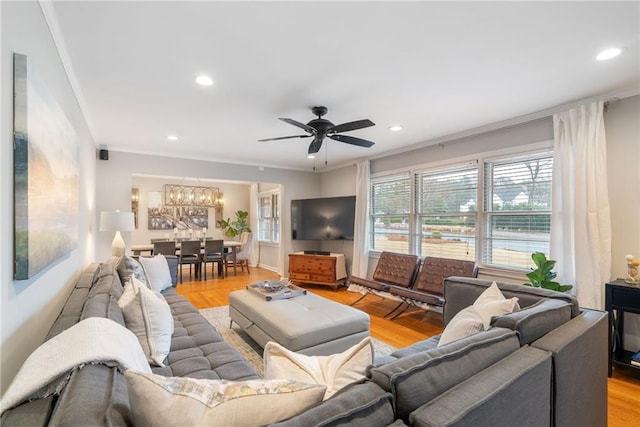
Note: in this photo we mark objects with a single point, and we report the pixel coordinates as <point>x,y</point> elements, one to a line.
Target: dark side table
<point>620,298</point>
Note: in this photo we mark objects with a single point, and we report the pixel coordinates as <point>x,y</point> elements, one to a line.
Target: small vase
<point>633,270</point>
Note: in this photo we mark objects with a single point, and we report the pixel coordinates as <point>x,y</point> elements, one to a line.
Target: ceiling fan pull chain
<point>326,150</point>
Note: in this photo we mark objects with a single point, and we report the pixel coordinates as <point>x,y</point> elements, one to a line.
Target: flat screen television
<point>327,218</point>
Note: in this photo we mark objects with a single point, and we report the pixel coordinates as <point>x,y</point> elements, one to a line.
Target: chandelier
<point>183,195</point>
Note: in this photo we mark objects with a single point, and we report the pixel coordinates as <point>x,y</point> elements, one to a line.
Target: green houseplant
<point>235,228</point>
<point>542,276</point>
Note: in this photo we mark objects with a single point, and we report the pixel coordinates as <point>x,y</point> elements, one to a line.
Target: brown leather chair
<point>393,270</point>
<point>429,286</point>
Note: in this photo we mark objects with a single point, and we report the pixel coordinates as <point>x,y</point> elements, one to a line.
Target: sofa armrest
<point>362,404</point>
<point>417,379</point>
<point>514,391</point>
<point>580,362</point>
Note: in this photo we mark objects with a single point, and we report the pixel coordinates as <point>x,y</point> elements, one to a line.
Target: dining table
<point>228,244</point>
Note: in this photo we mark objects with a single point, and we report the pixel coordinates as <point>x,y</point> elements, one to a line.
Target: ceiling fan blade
<point>358,124</point>
<point>285,137</point>
<point>307,128</point>
<point>352,140</point>
<point>315,145</point>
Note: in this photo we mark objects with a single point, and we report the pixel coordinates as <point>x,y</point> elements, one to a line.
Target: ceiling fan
<point>320,128</point>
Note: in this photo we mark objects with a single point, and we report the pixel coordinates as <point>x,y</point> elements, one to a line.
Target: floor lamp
<point>117,221</point>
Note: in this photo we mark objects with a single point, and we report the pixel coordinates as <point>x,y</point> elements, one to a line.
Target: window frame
<point>541,149</point>
<point>273,218</point>
<point>388,218</point>
<point>489,212</point>
<point>461,168</point>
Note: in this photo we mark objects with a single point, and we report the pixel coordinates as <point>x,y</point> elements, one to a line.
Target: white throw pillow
<point>492,303</point>
<point>157,272</point>
<point>467,322</point>
<point>148,316</point>
<point>477,317</point>
<point>335,371</point>
<point>184,401</point>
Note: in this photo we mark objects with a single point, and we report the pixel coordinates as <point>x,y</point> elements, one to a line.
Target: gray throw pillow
<point>128,267</point>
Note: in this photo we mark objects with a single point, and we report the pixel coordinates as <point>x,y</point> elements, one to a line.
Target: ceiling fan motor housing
<point>321,125</point>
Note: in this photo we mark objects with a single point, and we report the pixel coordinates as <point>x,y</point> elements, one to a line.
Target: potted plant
<point>542,276</point>
<point>235,228</point>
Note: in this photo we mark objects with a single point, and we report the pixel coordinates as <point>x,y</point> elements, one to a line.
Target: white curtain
<point>361,225</point>
<point>254,253</point>
<point>580,221</point>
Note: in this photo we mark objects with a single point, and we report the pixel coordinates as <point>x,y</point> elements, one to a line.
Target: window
<point>446,212</point>
<point>269,217</point>
<point>517,209</point>
<point>496,212</point>
<point>390,213</point>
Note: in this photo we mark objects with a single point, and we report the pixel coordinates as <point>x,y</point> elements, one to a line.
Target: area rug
<point>247,347</point>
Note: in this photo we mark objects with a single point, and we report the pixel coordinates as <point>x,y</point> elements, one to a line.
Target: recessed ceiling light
<point>203,80</point>
<point>608,54</point>
<point>311,156</point>
<point>172,138</point>
<point>395,128</point>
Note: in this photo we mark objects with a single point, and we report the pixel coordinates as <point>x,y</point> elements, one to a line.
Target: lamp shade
<point>117,221</point>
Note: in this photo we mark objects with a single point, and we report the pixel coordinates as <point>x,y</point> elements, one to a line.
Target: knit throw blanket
<point>93,340</point>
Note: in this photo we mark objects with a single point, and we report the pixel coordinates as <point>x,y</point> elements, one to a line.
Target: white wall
<point>512,136</point>
<point>29,307</point>
<point>114,178</point>
<point>236,197</point>
<point>337,183</point>
<point>622,126</point>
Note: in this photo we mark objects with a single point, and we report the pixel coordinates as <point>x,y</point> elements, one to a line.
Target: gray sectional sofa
<point>543,365</point>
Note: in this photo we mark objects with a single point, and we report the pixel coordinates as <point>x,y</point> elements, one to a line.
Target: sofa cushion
<point>466,323</point>
<point>148,316</point>
<point>129,266</point>
<point>492,303</point>
<point>461,292</point>
<point>157,271</point>
<point>418,347</point>
<point>418,378</point>
<point>477,317</point>
<point>197,349</point>
<point>176,401</point>
<point>335,371</point>
<point>536,320</point>
<point>362,404</point>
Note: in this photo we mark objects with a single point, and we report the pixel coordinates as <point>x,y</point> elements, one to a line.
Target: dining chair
<point>164,247</point>
<point>213,253</point>
<point>190,254</point>
<point>242,256</point>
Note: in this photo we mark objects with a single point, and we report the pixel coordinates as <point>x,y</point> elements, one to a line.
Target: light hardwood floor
<point>624,386</point>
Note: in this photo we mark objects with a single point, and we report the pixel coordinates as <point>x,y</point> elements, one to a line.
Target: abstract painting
<point>46,177</point>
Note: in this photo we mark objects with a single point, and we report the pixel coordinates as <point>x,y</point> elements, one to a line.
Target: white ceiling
<point>435,68</point>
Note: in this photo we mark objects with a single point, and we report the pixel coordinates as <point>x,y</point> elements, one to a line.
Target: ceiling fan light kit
<point>320,129</point>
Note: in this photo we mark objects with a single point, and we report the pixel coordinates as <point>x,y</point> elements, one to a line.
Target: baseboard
<point>269,267</point>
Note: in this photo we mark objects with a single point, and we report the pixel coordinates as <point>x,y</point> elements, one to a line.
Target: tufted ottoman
<point>308,324</point>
